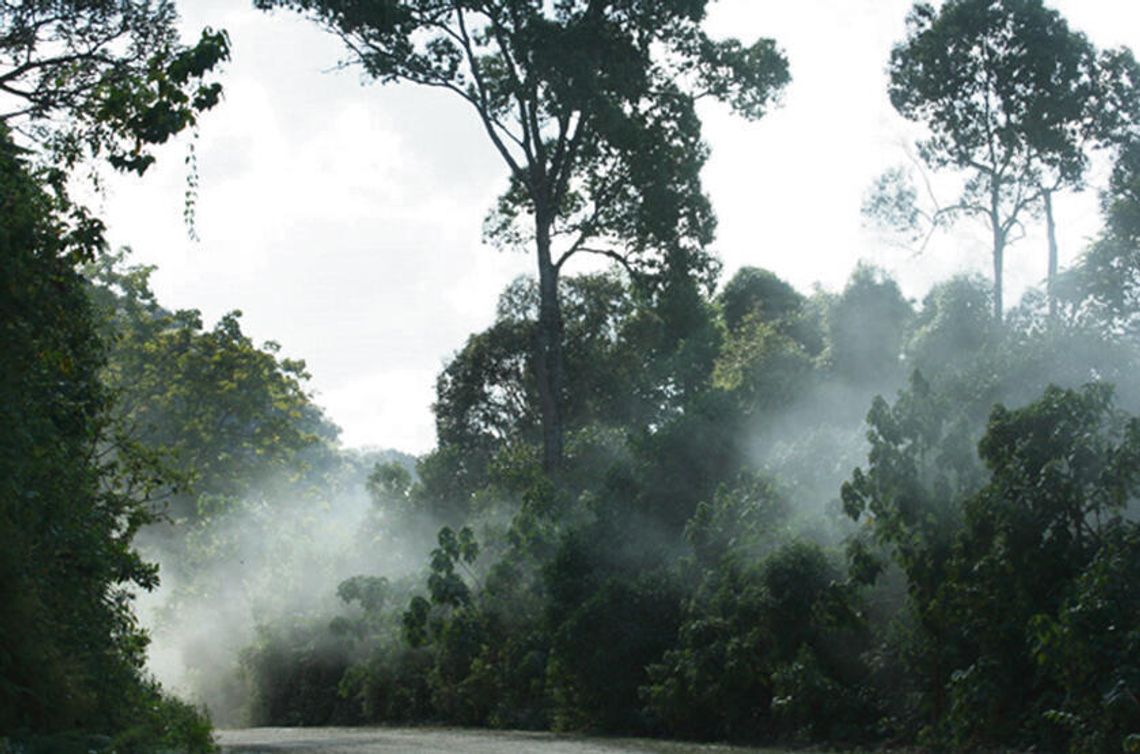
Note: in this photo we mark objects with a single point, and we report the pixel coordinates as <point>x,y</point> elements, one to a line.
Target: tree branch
<point>609,253</point>
<point>482,107</point>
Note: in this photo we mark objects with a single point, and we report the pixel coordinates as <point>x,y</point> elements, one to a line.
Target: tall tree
<point>591,105</point>
<point>1013,97</point>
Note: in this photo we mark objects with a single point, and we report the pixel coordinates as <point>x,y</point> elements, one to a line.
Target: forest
<point>666,499</point>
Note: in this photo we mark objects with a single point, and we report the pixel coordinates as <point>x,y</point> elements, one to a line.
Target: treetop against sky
<point>345,219</point>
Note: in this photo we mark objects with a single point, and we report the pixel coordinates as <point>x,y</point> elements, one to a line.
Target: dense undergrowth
<point>72,673</point>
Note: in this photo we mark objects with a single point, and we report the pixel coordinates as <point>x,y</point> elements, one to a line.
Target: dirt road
<point>445,741</point>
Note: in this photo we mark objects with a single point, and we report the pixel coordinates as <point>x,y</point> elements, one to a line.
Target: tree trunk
<point>1051,229</point>
<point>999,252</point>
<point>548,349</point>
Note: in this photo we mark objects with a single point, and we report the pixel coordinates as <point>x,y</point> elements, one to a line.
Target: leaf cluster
<point>108,78</point>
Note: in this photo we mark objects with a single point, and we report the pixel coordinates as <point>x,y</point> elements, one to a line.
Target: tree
<point>222,414</point>
<point>760,292</point>
<point>990,556</point>
<point>1063,470</point>
<point>591,105</point>
<point>1121,203</point>
<point>866,324</point>
<point>1084,651</point>
<point>1107,282</point>
<point>920,465</point>
<point>77,79</point>
<point>108,78</point>
<point>1013,97</point>
<point>764,607</point>
<point>953,327</point>
<point>766,369</point>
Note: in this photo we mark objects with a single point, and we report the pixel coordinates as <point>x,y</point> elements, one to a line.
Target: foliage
<point>682,572</point>
<point>254,492</point>
<point>664,584</point>
<point>766,360</point>
<point>988,77</point>
<point>486,395</point>
<point>867,323</point>
<point>1105,287</point>
<point>638,361</point>
<point>953,328</point>
<point>1062,468</point>
<point>601,650</point>
<point>223,413</point>
<point>755,656</point>
<point>1090,648</point>
<point>988,565</point>
<point>920,465</point>
<point>106,79</point>
<point>755,291</point>
<point>73,650</point>
<point>294,676</point>
<point>1121,201</point>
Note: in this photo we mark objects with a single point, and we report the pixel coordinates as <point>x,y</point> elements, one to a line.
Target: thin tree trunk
<point>1051,230</point>
<point>548,347</point>
<point>999,252</point>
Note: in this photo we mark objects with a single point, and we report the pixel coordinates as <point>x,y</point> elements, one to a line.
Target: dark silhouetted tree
<point>592,107</point>
<point>1012,97</point>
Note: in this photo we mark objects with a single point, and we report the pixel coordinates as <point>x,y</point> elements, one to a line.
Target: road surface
<point>445,741</point>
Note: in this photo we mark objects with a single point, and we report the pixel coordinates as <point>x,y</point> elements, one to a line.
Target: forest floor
<point>448,740</point>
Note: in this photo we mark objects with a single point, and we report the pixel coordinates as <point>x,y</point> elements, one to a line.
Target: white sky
<point>344,218</point>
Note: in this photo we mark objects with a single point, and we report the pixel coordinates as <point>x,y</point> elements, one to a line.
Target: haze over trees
<point>1016,100</point>
<point>698,508</point>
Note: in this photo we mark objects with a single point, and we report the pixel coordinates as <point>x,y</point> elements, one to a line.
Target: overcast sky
<point>344,218</point>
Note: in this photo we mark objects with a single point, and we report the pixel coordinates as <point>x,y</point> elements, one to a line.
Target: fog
<point>268,561</point>
<point>258,589</point>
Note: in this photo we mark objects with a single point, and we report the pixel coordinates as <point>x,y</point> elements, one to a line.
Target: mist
<point>270,560</point>
<point>753,475</point>
<point>292,603</point>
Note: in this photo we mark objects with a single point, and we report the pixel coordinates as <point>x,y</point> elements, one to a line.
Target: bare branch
<point>609,253</point>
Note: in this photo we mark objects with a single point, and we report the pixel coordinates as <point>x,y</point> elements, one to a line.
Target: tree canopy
<point>73,650</point>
